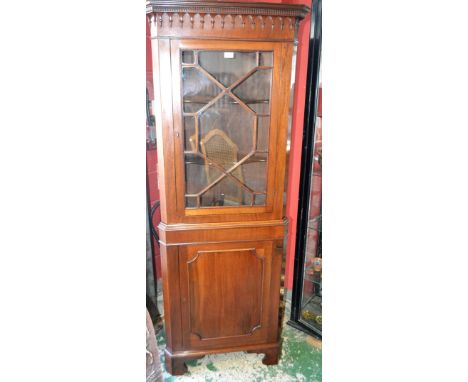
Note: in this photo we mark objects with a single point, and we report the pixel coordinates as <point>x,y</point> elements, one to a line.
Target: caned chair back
<point>219,148</point>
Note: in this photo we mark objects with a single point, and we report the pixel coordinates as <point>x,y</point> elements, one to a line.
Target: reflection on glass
<point>266,59</point>
<point>263,127</point>
<point>226,98</point>
<point>188,57</point>
<point>227,67</point>
<point>250,171</point>
<point>197,89</point>
<point>255,92</point>
<point>189,127</point>
<point>234,124</point>
<point>202,173</point>
<point>260,200</point>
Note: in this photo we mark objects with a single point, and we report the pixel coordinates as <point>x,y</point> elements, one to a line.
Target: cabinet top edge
<point>227,7</point>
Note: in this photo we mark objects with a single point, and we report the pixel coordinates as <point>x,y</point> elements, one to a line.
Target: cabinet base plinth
<point>175,366</point>
<point>271,354</point>
<point>175,362</point>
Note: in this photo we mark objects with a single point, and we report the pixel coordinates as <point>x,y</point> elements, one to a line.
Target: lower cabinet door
<point>229,294</point>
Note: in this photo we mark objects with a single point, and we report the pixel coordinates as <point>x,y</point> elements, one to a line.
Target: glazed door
<point>228,293</point>
<point>229,130</point>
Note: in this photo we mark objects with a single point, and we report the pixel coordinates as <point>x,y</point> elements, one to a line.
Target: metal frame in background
<point>308,142</point>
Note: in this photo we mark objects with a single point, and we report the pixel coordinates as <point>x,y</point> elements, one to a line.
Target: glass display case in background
<point>311,296</point>
<point>306,310</point>
<point>306,301</point>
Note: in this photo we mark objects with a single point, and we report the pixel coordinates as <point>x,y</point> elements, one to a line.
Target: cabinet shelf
<point>192,158</point>
<point>311,312</point>
<point>203,100</point>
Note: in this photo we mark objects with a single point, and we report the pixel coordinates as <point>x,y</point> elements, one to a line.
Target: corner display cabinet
<point>222,73</point>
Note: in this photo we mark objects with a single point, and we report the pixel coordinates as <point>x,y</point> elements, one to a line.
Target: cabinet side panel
<point>274,326</point>
<point>171,290</point>
<point>159,130</point>
<point>282,107</point>
<point>164,124</point>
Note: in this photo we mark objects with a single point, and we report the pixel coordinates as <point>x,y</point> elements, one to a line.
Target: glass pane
<point>221,130</point>
<point>228,192</point>
<point>227,67</point>
<point>188,57</point>
<point>199,174</point>
<point>255,91</point>
<point>263,127</point>
<point>254,173</point>
<point>266,59</point>
<point>191,202</point>
<point>260,200</point>
<point>197,89</point>
<point>189,125</point>
<point>227,121</point>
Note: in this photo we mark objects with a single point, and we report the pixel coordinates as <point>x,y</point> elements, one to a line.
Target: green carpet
<point>300,361</point>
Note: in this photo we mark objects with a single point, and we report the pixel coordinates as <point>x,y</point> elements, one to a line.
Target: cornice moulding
<point>227,8</point>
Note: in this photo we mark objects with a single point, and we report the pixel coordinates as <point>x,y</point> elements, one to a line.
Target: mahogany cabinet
<point>222,74</point>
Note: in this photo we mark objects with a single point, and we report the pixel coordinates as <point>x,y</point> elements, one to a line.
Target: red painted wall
<point>296,143</point>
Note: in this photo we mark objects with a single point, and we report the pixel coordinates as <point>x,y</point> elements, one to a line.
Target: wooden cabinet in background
<point>222,74</point>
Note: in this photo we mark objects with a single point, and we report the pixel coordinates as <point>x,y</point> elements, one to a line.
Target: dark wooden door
<point>226,293</point>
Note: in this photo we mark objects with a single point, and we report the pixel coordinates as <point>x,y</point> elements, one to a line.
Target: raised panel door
<point>226,293</point>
